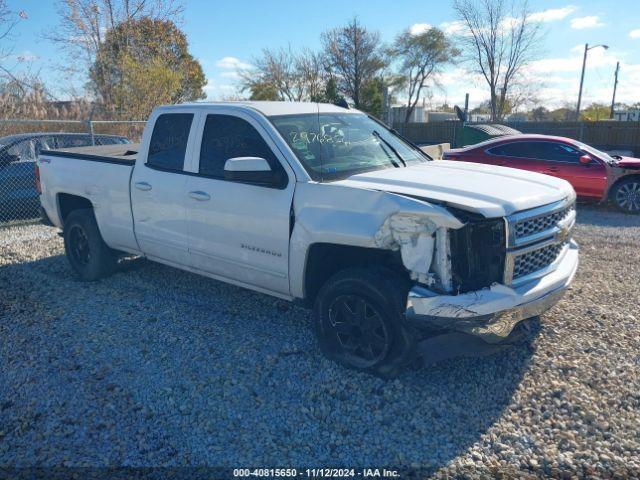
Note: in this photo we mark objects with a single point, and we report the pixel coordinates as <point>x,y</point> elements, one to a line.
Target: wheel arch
<point>326,259</point>
<point>68,202</point>
<point>623,178</point>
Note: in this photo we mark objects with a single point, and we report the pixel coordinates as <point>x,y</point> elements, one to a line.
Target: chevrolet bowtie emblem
<point>563,234</point>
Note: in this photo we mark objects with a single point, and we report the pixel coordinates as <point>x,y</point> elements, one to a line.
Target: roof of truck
<point>273,108</point>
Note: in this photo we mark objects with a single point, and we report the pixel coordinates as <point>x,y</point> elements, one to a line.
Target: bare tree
<point>286,75</point>
<point>8,20</point>
<point>421,57</point>
<point>523,95</point>
<point>22,93</point>
<point>500,39</point>
<point>313,73</point>
<point>277,69</point>
<point>354,55</point>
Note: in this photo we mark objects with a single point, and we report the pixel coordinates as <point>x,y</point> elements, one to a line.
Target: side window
<point>168,143</point>
<point>499,150</point>
<point>225,137</point>
<point>539,151</point>
<point>519,149</point>
<point>564,153</point>
<point>22,151</point>
<point>72,141</point>
<point>44,143</point>
<point>552,151</point>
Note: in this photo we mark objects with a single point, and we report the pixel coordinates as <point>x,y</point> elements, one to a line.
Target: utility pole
<point>615,86</point>
<point>466,107</point>
<point>584,64</point>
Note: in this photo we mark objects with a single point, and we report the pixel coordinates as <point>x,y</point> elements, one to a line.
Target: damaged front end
<point>416,236</point>
<point>487,275</point>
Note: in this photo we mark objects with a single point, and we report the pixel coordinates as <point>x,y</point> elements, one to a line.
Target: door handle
<point>554,169</point>
<point>200,196</point>
<point>144,186</point>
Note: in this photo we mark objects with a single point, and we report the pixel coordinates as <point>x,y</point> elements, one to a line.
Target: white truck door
<point>158,187</point>
<point>239,231</point>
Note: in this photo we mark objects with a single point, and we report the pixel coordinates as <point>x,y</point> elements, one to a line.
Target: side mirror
<point>252,170</point>
<point>585,159</point>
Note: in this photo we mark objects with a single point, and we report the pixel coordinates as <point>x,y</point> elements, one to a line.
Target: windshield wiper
<point>395,152</point>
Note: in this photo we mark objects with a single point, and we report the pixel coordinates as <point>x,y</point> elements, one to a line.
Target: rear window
<point>71,141</point>
<point>169,141</point>
<point>102,140</point>
<point>520,149</point>
<point>21,152</point>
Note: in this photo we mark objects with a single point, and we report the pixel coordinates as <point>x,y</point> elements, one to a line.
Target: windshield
<point>598,153</point>
<point>332,146</point>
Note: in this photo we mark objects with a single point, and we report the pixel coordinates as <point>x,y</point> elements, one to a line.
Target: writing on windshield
<point>337,145</point>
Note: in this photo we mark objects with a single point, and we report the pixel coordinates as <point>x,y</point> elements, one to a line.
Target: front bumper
<point>491,314</point>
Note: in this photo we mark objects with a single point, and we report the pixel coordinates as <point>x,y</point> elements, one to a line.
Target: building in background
<point>420,114</point>
<point>627,116</point>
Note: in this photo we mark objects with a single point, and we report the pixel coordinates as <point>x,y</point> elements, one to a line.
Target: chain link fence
<point>21,141</point>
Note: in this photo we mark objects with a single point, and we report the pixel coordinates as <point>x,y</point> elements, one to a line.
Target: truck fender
<point>341,215</point>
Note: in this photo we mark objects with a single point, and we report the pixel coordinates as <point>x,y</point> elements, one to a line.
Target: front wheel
<point>626,196</point>
<point>359,321</point>
<point>87,253</point>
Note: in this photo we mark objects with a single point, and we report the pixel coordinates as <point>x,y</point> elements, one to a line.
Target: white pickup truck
<point>325,206</point>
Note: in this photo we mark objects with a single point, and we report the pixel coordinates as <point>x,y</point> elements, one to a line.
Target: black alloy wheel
<point>359,320</point>
<point>79,250</point>
<point>357,331</point>
<point>86,251</point>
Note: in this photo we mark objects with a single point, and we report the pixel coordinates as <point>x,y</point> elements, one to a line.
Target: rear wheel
<point>359,321</point>
<point>626,196</point>
<point>87,253</point>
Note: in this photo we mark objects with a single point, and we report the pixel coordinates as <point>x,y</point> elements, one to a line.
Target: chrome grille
<point>532,226</point>
<point>535,240</point>
<point>536,260</point>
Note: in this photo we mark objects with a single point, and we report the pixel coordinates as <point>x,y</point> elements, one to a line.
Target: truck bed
<point>100,175</point>
<point>124,154</point>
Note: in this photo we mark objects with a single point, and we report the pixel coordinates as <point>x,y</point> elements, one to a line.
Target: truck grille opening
<point>536,260</point>
<point>477,253</point>
<point>531,226</point>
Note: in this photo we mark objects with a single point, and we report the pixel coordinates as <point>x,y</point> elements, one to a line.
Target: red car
<point>594,174</point>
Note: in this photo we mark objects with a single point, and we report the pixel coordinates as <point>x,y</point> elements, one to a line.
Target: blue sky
<point>225,34</point>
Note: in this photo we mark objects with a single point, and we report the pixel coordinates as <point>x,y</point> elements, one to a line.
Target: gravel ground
<point>155,366</point>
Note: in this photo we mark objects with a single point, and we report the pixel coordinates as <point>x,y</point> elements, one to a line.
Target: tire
<point>359,321</point>
<point>626,196</point>
<point>86,252</point>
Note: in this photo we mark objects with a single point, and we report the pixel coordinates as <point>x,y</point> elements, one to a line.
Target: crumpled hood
<point>628,162</point>
<point>486,189</point>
